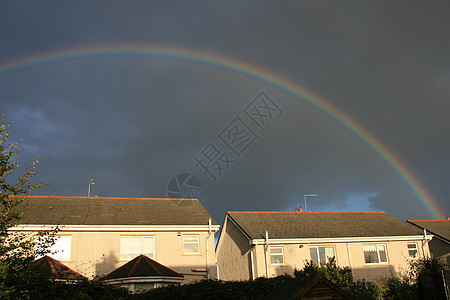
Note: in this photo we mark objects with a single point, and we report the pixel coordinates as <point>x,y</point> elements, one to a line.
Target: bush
<point>214,289</point>
<point>341,276</point>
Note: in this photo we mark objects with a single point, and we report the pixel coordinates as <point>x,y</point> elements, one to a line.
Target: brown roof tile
<point>52,269</point>
<point>52,210</point>
<point>142,266</point>
<point>285,225</point>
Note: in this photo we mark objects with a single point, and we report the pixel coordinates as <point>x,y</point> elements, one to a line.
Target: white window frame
<point>62,248</point>
<point>141,251</point>
<point>377,246</point>
<point>191,243</point>
<point>276,254</point>
<point>316,247</point>
<point>416,248</point>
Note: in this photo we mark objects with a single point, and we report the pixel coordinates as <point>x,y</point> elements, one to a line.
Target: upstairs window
<point>321,254</point>
<point>375,254</point>
<point>276,255</point>
<point>190,244</point>
<point>413,251</point>
<point>132,246</point>
<point>61,249</point>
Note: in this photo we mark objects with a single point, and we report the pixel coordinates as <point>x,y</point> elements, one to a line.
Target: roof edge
<point>120,227</point>
<point>319,240</point>
<point>96,197</point>
<point>239,227</point>
<point>429,231</point>
<point>305,212</point>
<point>439,220</point>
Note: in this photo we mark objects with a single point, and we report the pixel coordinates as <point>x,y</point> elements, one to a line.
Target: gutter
<point>109,228</point>
<point>338,240</point>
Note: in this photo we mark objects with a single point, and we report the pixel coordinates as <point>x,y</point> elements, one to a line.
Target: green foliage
<point>213,289</point>
<point>399,288</point>
<point>393,287</point>
<point>338,275</point>
<point>427,265</point>
<point>341,276</point>
<point>83,290</point>
<point>17,250</point>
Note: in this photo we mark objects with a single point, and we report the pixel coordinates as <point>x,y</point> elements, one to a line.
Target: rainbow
<point>214,60</point>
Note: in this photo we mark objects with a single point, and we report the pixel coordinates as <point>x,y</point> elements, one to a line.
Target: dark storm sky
<point>134,121</point>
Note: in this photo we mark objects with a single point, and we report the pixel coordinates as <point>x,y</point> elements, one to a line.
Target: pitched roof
<point>52,210</point>
<point>52,269</point>
<point>437,227</point>
<point>285,225</point>
<point>142,266</point>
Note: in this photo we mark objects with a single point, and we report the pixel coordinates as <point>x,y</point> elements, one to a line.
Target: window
<point>321,254</point>
<point>412,250</point>
<point>375,254</point>
<point>190,244</point>
<point>61,248</point>
<point>276,255</point>
<point>132,246</point>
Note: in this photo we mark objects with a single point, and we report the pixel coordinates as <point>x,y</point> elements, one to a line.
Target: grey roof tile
<point>52,210</point>
<point>437,227</point>
<point>285,225</point>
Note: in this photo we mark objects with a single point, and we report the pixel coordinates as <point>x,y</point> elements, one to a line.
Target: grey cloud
<point>135,121</point>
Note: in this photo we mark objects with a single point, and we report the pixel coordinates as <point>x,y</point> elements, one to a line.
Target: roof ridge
<point>52,267</point>
<point>151,263</point>
<point>306,212</point>
<point>64,266</point>
<point>135,265</point>
<point>440,220</point>
<point>96,197</point>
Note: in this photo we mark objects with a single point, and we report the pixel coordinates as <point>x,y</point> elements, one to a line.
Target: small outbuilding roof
<point>53,210</point>
<point>142,266</point>
<point>309,288</point>
<point>289,225</point>
<point>50,268</point>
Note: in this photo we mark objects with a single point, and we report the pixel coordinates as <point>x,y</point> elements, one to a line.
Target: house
<point>100,234</point>
<point>372,244</point>
<point>440,245</point>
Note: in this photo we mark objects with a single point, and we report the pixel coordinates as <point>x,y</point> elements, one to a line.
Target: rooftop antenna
<point>308,195</point>
<point>91,182</point>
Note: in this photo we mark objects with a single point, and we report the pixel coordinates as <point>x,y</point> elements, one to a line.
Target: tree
<point>17,250</point>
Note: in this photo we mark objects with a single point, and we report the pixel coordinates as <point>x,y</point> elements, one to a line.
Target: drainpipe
<point>266,249</point>
<point>252,263</point>
<point>217,270</point>
<point>349,258</point>
<point>207,248</point>
<point>425,242</point>
<point>95,254</point>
